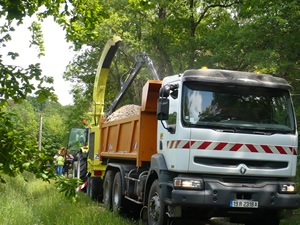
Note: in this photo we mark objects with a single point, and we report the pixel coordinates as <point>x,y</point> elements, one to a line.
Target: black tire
<point>156,207</point>
<point>117,197</point>
<point>82,168</point>
<point>94,188</point>
<point>107,189</point>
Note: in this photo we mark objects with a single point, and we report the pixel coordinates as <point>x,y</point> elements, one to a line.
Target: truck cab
<point>229,143</point>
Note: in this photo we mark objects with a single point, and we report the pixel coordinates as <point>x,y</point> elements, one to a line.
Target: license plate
<point>244,204</point>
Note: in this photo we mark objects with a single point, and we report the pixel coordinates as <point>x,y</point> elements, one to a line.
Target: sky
<point>57,55</point>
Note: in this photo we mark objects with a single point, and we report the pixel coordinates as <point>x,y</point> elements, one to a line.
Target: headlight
<point>188,183</point>
<point>287,188</point>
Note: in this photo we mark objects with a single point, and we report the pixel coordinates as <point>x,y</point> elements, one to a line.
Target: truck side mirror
<point>164,91</point>
<point>162,109</point>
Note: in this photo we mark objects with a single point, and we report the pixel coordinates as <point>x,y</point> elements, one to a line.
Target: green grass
<point>293,220</point>
<point>39,203</point>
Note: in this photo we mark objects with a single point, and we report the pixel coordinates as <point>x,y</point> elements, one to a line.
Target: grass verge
<point>39,203</point>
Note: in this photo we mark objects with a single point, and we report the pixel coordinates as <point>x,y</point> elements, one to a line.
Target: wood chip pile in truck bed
<point>124,112</point>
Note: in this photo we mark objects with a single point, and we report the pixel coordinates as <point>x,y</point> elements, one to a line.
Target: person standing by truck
<point>60,161</point>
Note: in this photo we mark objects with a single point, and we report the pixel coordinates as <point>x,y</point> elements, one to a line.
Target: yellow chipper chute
<point>108,53</point>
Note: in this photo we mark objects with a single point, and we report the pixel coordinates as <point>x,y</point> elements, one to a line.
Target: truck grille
<point>233,163</point>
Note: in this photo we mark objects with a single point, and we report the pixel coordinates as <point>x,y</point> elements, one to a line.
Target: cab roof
<point>235,77</point>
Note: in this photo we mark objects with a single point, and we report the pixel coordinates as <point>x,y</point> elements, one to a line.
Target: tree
<point>19,150</point>
<point>248,36</point>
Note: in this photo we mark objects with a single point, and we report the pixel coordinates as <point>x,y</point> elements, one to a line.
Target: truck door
<point>172,136</point>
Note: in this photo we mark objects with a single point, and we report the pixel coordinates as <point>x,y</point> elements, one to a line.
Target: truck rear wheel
<point>94,188</point>
<point>156,207</point>
<point>107,189</point>
<point>117,198</point>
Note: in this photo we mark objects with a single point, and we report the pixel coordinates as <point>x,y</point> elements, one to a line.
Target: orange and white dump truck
<point>206,143</point>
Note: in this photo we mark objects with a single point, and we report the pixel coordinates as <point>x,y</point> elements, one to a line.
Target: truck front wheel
<point>156,207</point>
<point>107,189</point>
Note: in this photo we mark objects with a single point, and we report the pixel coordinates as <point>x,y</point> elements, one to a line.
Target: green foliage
<point>37,37</point>
<point>17,10</point>
<point>81,26</point>
<point>68,186</point>
<point>19,136</point>
<point>27,119</point>
<point>16,83</point>
<point>18,153</point>
<point>20,123</point>
<point>54,126</point>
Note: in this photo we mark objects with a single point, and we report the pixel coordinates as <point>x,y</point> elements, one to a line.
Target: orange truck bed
<point>133,138</point>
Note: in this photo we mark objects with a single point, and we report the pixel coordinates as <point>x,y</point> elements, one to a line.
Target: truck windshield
<point>77,139</point>
<point>239,109</point>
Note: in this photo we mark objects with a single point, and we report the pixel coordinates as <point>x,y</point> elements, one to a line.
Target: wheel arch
<point>158,165</point>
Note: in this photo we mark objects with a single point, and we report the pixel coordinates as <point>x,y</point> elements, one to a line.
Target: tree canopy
<point>258,36</point>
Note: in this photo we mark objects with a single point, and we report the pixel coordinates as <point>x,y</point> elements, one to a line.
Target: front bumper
<point>218,193</point>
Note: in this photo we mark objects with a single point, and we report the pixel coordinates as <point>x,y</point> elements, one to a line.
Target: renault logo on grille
<point>243,169</point>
